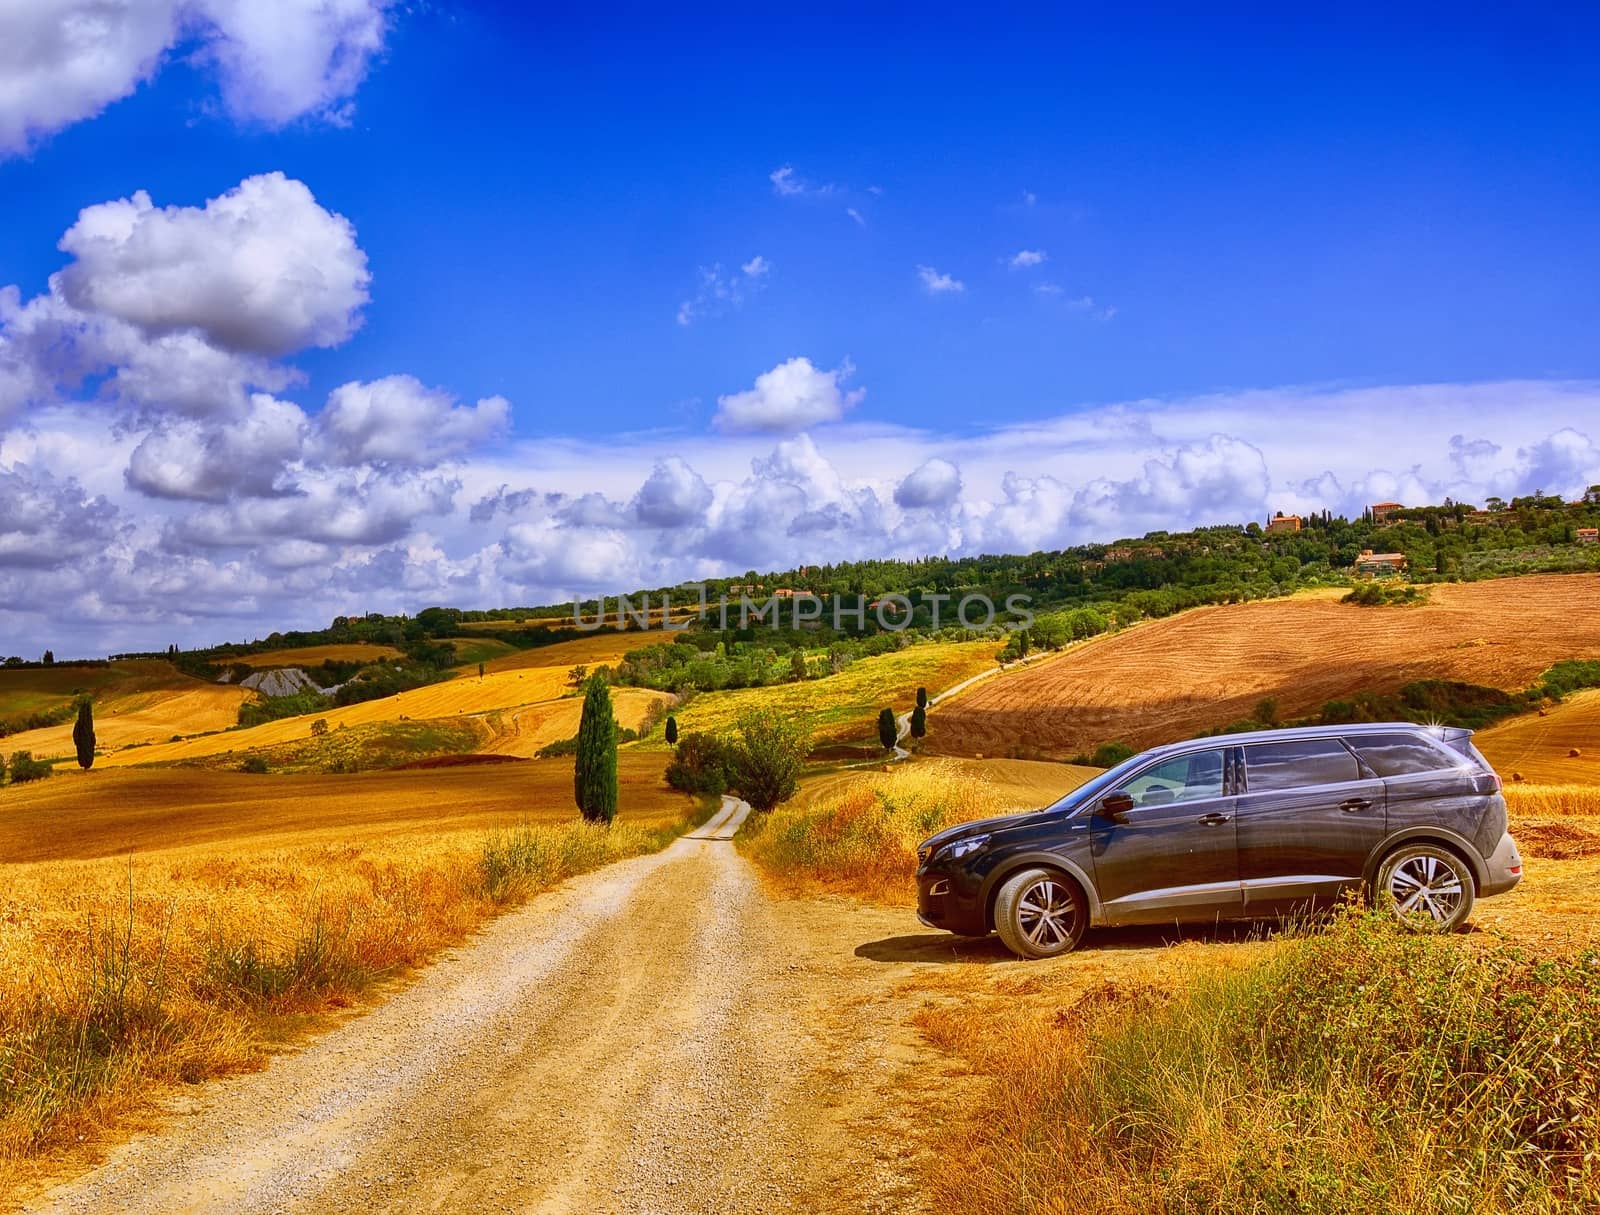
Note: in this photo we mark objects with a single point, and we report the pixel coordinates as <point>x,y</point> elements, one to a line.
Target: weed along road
<point>660,1035</point>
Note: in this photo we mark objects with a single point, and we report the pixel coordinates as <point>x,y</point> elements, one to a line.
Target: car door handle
<point>1355,805</point>
<point>1213,820</point>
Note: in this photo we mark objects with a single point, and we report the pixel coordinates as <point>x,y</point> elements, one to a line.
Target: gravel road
<point>659,1036</point>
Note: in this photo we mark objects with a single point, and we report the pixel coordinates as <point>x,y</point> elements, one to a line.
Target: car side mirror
<point>1116,804</point>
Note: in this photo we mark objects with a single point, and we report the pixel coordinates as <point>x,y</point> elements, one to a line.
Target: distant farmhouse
<point>1589,535</point>
<point>1382,510</point>
<point>1380,565</point>
<point>1281,522</point>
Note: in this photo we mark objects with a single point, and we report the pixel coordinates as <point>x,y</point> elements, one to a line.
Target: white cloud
<point>786,183</point>
<point>934,483</point>
<point>756,267</point>
<point>261,269</point>
<point>936,283</point>
<point>245,458</point>
<point>792,396</point>
<point>719,290</point>
<point>62,61</point>
<point>398,421</point>
<point>673,496</point>
<point>856,215</point>
<point>1024,258</point>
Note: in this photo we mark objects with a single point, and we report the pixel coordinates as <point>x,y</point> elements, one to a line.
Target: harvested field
<point>844,706</point>
<point>1174,678</point>
<point>1540,746</point>
<point>135,702</point>
<point>101,814</point>
<point>593,651</point>
<point>521,732</point>
<point>312,655</point>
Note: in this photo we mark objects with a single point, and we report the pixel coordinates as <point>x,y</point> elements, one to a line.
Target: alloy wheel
<point>1047,915</point>
<point>1426,885</point>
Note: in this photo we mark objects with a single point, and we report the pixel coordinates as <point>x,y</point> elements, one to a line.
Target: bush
<point>1109,755</point>
<point>767,759</point>
<point>275,708</point>
<point>256,764</point>
<point>700,765</point>
<point>25,768</point>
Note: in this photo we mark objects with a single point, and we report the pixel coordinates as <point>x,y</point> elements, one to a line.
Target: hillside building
<point>1380,565</point>
<point>1281,522</point>
<point>1589,535</point>
<point>1382,510</point>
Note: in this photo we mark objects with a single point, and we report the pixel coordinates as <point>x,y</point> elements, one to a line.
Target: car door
<point>1308,816</point>
<point>1171,856</point>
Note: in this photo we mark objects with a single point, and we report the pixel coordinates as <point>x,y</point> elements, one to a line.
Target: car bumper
<point>942,904</point>
<point>1504,867</point>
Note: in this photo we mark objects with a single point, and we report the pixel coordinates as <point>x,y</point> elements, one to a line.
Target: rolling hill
<point>1180,676</point>
<point>1539,745</point>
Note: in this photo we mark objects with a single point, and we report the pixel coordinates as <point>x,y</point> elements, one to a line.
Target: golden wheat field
<point>1173,678</point>
<point>135,702</point>
<point>512,683</point>
<point>844,706</point>
<point>314,655</point>
<point>203,915</point>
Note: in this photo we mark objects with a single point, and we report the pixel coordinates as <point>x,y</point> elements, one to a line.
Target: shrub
<point>767,759</point>
<point>319,727</point>
<point>25,768</point>
<point>256,764</point>
<point>672,731</point>
<point>275,708</point>
<point>700,765</point>
<point>594,775</point>
<point>1109,755</point>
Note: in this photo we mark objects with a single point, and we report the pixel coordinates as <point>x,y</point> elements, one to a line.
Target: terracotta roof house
<point>1379,564</point>
<point>1589,535</point>
<point>1281,522</point>
<point>1382,510</point>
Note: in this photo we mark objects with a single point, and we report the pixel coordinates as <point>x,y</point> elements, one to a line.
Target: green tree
<point>922,698</point>
<point>594,775</point>
<point>672,731</point>
<point>797,663</point>
<point>25,768</point>
<point>319,727</point>
<point>919,722</point>
<point>83,734</point>
<point>700,765</point>
<point>480,670</point>
<point>766,759</point>
<point>49,658</point>
<point>888,731</point>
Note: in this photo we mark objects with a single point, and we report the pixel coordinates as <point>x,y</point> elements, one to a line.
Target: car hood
<point>980,826</point>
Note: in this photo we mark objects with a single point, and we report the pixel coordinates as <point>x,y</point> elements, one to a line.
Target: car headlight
<point>961,847</point>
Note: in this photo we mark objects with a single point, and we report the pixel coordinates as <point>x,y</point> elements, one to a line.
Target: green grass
<point>1359,1069</point>
<point>366,748</point>
<point>470,651</point>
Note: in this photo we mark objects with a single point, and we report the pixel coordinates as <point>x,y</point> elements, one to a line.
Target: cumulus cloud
<point>936,283</point>
<point>62,61</point>
<point>46,520</point>
<point>934,483</point>
<point>792,396</point>
<point>1024,258</point>
<point>398,421</point>
<point>262,269</point>
<point>248,458</point>
<point>673,496</point>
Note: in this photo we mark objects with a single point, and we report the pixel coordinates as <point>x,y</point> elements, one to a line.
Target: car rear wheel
<point>1040,914</point>
<point>1427,887</point>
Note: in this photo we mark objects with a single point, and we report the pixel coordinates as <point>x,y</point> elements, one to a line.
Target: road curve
<point>640,1040</point>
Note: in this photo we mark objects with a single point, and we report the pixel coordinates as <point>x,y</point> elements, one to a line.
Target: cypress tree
<point>922,698</point>
<point>83,734</point>
<point>594,775</point>
<point>919,721</point>
<point>672,731</point>
<point>888,731</point>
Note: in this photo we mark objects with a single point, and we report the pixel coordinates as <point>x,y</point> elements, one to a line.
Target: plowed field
<point>1540,747</point>
<point>1171,679</point>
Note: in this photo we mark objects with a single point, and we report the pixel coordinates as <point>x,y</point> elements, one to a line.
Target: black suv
<point>1240,826</point>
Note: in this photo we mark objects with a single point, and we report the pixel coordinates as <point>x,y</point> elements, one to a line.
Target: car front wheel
<point>1428,887</point>
<point>1040,914</point>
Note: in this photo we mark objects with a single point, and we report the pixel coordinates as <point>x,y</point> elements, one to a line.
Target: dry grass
<point>1551,801</point>
<point>247,905</point>
<point>1358,1069</point>
<point>1540,745</point>
<point>1174,678</point>
<point>314,655</point>
<point>845,706</point>
<point>857,833</point>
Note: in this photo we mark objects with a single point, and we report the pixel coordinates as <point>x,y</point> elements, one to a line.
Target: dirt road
<point>659,1036</point>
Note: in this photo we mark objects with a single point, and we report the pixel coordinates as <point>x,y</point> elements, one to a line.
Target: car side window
<point>1183,778</point>
<point>1399,754</point>
<point>1297,765</point>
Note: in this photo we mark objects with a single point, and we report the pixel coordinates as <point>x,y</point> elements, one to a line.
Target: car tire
<point>1427,886</point>
<point>1040,913</point>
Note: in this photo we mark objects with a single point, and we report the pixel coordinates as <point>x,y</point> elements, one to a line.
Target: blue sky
<point>1077,274</point>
